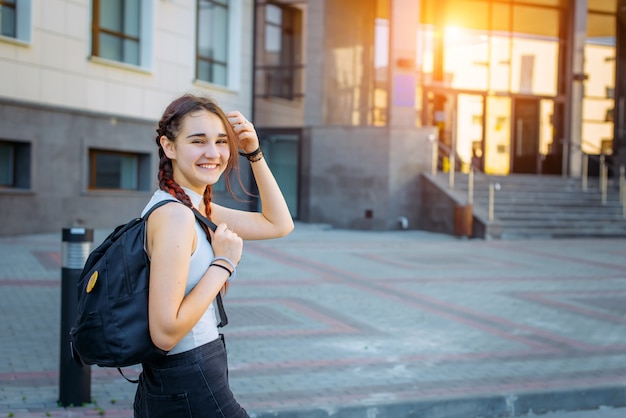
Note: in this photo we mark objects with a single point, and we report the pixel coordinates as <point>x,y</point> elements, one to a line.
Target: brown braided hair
<point>170,125</point>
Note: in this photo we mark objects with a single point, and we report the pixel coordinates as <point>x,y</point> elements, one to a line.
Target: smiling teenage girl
<point>198,144</point>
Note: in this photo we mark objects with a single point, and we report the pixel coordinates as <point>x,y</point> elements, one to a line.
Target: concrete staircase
<point>533,206</point>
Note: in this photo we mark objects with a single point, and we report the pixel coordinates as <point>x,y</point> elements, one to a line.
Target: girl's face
<point>200,152</point>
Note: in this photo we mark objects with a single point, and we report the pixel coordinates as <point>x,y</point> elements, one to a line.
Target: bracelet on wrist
<point>253,156</point>
<point>231,273</point>
<point>257,157</point>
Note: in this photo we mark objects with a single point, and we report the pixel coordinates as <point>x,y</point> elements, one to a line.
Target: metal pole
<point>470,186</point>
<point>433,163</point>
<point>585,171</point>
<point>622,190</point>
<point>622,183</point>
<point>491,197</point>
<point>603,179</point>
<point>74,379</point>
<point>452,167</point>
<point>565,159</point>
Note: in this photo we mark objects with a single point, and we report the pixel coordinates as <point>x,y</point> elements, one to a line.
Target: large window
<point>121,31</point>
<point>212,41</point>
<point>114,170</point>
<point>599,87</point>
<point>15,19</point>
<point>280,72</point>
<point>14,164</point>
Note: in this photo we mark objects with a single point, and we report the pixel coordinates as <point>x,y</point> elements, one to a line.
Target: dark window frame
<point>210,60</point>
<point>21,160</point>
<point>11,4</point>
<point>97,29</point>
<point>142,176</point>
<point>282,80</point>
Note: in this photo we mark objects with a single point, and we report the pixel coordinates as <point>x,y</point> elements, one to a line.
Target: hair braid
<point>167,183</point>
<point>207,200</point>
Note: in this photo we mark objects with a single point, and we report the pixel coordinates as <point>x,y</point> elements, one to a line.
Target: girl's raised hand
<point>244,129</point>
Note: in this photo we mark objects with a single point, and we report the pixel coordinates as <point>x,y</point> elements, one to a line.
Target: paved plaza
<point>336,323</point>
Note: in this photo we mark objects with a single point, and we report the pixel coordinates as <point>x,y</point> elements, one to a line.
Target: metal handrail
<point>436,144</point>
<point>493,187</point>
<point>585,163</point>
<point>603,177</point>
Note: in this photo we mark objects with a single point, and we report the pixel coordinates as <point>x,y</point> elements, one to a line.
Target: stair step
<point>527,205</point>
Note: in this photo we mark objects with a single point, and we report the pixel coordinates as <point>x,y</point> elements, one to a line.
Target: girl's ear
<point>168,147</point>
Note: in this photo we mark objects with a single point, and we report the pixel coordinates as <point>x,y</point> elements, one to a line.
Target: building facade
<point>350,98</point>
<point>509,86</point>
<point>84,83</point>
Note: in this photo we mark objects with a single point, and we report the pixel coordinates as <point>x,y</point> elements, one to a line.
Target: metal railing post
<point>452,168</point>
<point>585,174</point>
<point>603,178</point>
<point>624,206</point>
<point>492,189</point>
<point>491,202</point>
<point>565,159</point>
<point>470,186</point>
<point>622,190</point>
<point>434,143</point>
<point>621,182</point>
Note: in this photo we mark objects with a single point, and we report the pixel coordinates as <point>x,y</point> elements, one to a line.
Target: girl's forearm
<point>273,205</point>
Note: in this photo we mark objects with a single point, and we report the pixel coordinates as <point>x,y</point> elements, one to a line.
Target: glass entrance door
<point>281,152</point>
<point>525,138</point>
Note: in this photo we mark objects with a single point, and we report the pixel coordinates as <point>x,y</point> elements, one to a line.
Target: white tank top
<point>205,329</point>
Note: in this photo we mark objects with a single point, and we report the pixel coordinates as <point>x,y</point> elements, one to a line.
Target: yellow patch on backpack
<point>92,281</point>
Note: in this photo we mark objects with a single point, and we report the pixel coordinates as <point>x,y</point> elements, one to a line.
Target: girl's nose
<point>210,151</point>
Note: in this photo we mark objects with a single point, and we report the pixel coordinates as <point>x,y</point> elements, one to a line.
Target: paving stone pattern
<point>369,324</point>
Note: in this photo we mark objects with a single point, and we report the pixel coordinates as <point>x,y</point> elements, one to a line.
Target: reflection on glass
<point>534,66</point>
<point>497,135</point>
<point>598,103</point>
<point>469,130</point>
<point>546,128</point>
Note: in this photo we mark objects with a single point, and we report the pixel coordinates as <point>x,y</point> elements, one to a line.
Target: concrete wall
<point>362,177</point>
<point>60,142</point>
<point>58,196</point>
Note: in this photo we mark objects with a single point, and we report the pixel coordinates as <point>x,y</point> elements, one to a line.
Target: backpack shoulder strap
<point>220,304</point>
<point>199,217</point>
<point>203,219</point>
<point>209,224</point>
<point>158,205</point>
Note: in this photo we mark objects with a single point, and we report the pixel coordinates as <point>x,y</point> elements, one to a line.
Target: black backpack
<point>111,328</point>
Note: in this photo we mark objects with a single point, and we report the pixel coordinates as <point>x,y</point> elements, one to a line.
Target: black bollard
<point>74,378</point>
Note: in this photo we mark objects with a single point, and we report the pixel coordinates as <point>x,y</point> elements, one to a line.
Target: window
<point>15,19</point>
<point>7,18</point>
<point>114,170</point>
<point>121,31</point>
<point>212,41</point>
<point>14,164</point>
<point>281,69</point>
